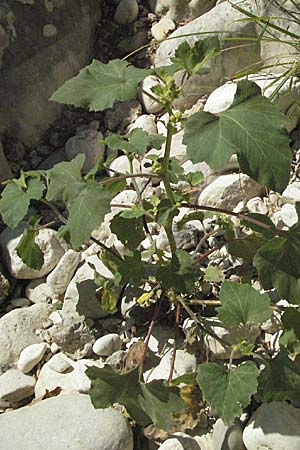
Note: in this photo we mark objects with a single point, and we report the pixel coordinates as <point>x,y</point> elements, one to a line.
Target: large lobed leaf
<point>228,391</point>
<point>99,85</point>
<point>242,304</point>
<point>253,128</point>
<point>15,200</point>
<point>145,403</point>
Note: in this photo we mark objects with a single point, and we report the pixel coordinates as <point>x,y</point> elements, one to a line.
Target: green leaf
<point>160,402</point>
<point>280,380</point>
<point>131,269</point>
<point>129,231</point>
<point>247,247</point>
<point>65,180</point>
<point>27,249</point>
<point>109,387</point>
<point>242,304</point>
<point>166,211</point>
<point>137,141</point>
<point>228,391</point>
<point>187,378</point>
<point>99,85</point>
<point>136,211</point>
<point>213,274</point>
<point>177,274</point>
<point>253,128</point>
<point>86,212</point>
<point>15,200</point>
<point>291,330</point>
<point>191,59</point>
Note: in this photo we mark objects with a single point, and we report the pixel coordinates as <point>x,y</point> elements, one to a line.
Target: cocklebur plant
<point>255,131</point>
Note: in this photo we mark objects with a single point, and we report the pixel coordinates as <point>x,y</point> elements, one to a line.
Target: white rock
<point>221,98</point>
<point>120,165</point>
<point>289,214</point>
<point>126,12</point>
<point>60,277</point>
<point>205,441</point>
<point>17,331</point>
<point>31,356</point>
<point>184,363</point>
<point>37,291</point>
<point>61,371</point>
<point>150,105</point>
<point>107,345</point>
<point>273,426</point>
<point>228,190</point>
<point>178,9</point>
<point>228,437</point>
<point>146,122</point>
<point>66,421</point>
<point>162,28</point>
<point>292,192</point>
<point>88,143</point>
<point>184,442</point>
<point>126,197</point>
<point>256,205</point>
<point>46,239</point>
<point>55,317</point>
<point>80,295</point>
<point>178,149</point>
<point>15,386</point>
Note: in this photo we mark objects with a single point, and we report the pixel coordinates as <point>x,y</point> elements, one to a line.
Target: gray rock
<point>5,170</point>
<point>73,335</point>
<point>107,345</point>
<point>54,158</point>
<point>34,66</point>
<point>184,363</point>
<point>122,114</point>
<point>150,105</point>
<point>15,386</point>
<point>76,423</point>
<point>126,12</point>
<point>88,143</point>
<point>116,360</point>
<point>275,426</point>
<point>228,437</point>
<point>46,239</point>
<point>17,331</point>
<point>60,277</point>
<point>227,191</point>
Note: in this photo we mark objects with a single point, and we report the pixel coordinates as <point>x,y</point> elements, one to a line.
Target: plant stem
<point>54,210</point>
<point>177,320</point>
<point>165,164</point>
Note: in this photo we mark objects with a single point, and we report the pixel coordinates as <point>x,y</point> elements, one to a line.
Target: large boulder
<point>65,422</point>
<point>42,44</point>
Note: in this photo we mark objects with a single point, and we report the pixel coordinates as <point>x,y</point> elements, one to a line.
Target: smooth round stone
<point>31,356</point>
<point>126,12</point>
<point>107,345</point>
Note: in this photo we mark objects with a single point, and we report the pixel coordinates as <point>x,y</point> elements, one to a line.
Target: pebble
<point>62,422</point>
<point>180,441</point>
<point>292,192</point>
<point>60,277</point>
<point>107,345</point>
<point>88,143</point>
<point>228,437</point>
<point>184,363</point>
<point>289,214</point>
<point>256,205</point>
<point>150,105</point>
<point>146,122</point>
<point>126,12</point>
<point>161,29</point>
<point>15,386</point>
<point>31,356</point>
